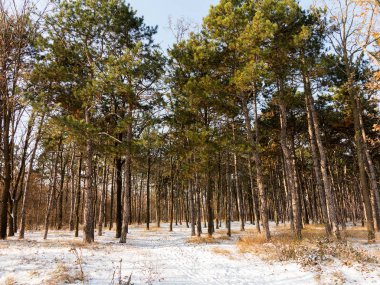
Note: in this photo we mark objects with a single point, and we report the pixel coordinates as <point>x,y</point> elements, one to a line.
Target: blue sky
<point>157,12</point>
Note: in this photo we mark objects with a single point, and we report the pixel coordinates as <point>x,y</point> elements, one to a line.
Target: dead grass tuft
<point>10,280</point>
<point>359,233</point>
<point>62,274</point>
<point>220,238</point>
<point>338,278</point>
<point>224,232</point>
<point>34,273</point>
<point>221,251</point>
<point>81,244</point>
<point>202,240</point>
<point>153,228</point>
<point>70,243</point>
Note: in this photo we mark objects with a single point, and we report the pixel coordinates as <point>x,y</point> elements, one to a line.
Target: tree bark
<point>288,161</point>
<point>361,161</point>
<point>148,193</point>
<point>7,171</point>
<point>317,168</point>
<point>128,181</point>
<point>78,197</point>
<point>72,194</point>
<point>119,188</point>
<point>171,194</point>
<point>255,148</point>
<point>88,215</point>
<point>324,170</point>
<point>28,180</point>
<point>102,199</point>
<point>372,175</point>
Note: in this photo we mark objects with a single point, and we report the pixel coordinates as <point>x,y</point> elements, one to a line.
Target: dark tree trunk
<point>289,164</point>
<point>7,172</point>
<point>171,194</point>
<point>72,192</point>
<point>119,188</point>
<point>28,180</point>
<point>78,197</point>
<point>148,193</point>
<point>112,197</point>
<point>88,215</point>
<point>128,180</point>
<point>52,191</point>
<point>102,199</point>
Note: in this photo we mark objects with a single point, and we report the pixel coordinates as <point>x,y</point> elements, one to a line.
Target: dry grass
<point>338,278</point>
<point>312,250</point>
<point>221,251</point>
<point>205,239</point>
<point>81,244</point>
<point>359,233</point>
<point>70,243</point>
<point>34,273</point>
<point>62,275</point>
<point>153,228</point>
<point>224,232</point>
<point>10,280</point>
<point>202,240</point>
<point>222,237</point>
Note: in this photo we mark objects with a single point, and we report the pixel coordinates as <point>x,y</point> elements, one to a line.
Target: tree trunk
<point>112,197</point>
<point>158,199</point>
<point>51,193</point>
<point>60,196</point>
<point>325,178</point>
<point>7,171</point>
<point>255,146</point>
<point>171,194</point>
<point>228,197</point>
<point>372,174</point>
<point>255,203</point>
<point>192,208</point>
<point>78,197</point>
<point>148,193</point>
<point>289,163</point>
<point>239,192</point>
<point>209,197</point>
<point>88,215</point>
<point>199,211</point>
<point>102,199</point>
<point>361,161</point>
<point>317,168</point>
<point>128,181</point>
<point>119,188</point>
<point>72,194</point>
<point>28,180</point>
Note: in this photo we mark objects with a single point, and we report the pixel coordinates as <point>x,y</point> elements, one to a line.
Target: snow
<point>159,257</point>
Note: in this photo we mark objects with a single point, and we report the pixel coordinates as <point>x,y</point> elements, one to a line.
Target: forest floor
<point>161,257</point>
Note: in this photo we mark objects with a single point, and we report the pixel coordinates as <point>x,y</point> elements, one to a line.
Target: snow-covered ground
<point>159,257</point>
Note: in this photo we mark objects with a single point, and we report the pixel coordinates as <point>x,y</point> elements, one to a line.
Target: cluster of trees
<point>268,112</point>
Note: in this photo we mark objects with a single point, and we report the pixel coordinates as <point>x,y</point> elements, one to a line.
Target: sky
<point>157,12</point>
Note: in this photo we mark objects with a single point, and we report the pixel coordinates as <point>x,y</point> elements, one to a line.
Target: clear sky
<point>157,12</point>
